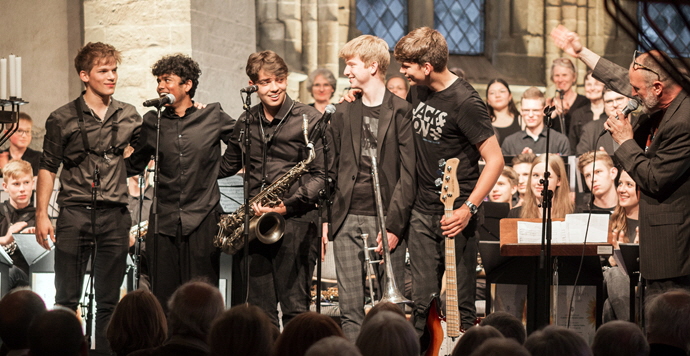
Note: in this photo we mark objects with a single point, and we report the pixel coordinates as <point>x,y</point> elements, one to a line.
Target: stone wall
<point>47,35</point>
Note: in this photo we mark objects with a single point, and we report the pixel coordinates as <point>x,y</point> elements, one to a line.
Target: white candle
<point>18,83</point>
<point>13,76</point>
<point>3,78</point>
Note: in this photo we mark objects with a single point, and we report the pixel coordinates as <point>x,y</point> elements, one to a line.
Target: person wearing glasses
<point>19,145</point>
<point>656,154</point>
<point>533,137</point>
<point>589,137</point>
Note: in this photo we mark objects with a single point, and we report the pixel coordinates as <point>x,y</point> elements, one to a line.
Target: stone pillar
<point>311,36</point>
<point>420,13</point>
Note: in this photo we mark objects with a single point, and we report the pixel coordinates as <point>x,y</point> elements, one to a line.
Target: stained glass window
<point>671,25</point>
<point>462,24</point>
<point>383,18</point>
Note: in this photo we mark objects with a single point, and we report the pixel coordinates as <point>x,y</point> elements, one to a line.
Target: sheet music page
<point>577,226</point>
<point>530,232</point>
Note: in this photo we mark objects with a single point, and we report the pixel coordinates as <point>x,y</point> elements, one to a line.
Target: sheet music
<point>31,250</point>
<point>577,226</point>
<point>530,232</point>
<point>572,230</point>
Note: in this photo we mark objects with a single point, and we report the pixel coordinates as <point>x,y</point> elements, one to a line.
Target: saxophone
<point>269,227</point>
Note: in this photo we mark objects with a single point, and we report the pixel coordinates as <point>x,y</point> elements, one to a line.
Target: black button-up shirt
<point>63,142</point>
<point>283,142</point>
<point>189,155</point>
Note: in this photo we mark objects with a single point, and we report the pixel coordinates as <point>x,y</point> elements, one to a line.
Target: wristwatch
<point>473,208</point>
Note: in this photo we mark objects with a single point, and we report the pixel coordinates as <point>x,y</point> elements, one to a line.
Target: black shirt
<point>31,156</point>
<point>283,143</point>
<point>8,216</point>
<point>363,198</point>
<point>449,123</point>
<point>189,155</point>
<point>63,143</point>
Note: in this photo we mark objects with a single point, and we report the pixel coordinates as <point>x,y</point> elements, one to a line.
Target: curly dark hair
<point>181,65</point>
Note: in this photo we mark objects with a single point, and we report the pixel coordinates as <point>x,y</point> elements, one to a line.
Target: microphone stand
<point>154,206</point>
<point>561,117</point>
<point>140,236</point>
<point>544,280</point>
<point>89,313</point>
<point>247,105</point>
<point>325,202</point>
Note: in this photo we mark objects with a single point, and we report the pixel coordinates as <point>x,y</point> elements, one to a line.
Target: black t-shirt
<point>363,199</point>
<point>447,124</point>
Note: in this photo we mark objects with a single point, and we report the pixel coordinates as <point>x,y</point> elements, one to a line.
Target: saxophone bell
<point>268,228</point>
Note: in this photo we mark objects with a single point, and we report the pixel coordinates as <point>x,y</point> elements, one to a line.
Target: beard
<point>649,103</point>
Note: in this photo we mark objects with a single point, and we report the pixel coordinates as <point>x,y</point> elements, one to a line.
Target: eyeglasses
<point>615,101</point>
<point>22,132</point>
<point>637,66</point>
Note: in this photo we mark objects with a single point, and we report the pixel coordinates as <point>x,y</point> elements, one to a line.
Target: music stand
<point>631,259</point>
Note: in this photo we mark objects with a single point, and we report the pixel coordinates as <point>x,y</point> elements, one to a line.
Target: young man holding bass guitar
<point>450,121</point>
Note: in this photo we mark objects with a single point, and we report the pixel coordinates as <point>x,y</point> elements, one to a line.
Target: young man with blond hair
<point>17,216</point>
<point>87,137</point>
<point>533,137</point>
<point>603,185</point>
<point>449,120</point>
<point>279,272</point>
<point>376,123</point>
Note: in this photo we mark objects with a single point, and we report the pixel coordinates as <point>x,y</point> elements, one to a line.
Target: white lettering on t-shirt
<point>428,122</point>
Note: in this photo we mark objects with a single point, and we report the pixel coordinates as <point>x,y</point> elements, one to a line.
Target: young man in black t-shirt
<point>449,120</point>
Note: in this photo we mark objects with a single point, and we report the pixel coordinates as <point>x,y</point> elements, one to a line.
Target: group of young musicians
<point>442,118</point>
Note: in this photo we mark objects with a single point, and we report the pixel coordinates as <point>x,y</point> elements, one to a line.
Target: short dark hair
<point>182,66</point>
<point>137,323</point>
<point>17,310</point>
<point>630,340</point>
<point>303,331</point>
<point>557,340</point>
<point>475,337</point>
<point>192,309</point>
<point>56,333</point>
<point>507,324</point>
<point>242,330</point>
<point>92,52</point>
<point>267,60</point>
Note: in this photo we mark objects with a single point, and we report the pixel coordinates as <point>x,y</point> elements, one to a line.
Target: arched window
<point>462,24</point>
<point>667,18</point>
<point>383,18</point>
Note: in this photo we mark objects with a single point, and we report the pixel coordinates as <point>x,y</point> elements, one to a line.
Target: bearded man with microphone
<point>655,151</point>
<point>188,198</point>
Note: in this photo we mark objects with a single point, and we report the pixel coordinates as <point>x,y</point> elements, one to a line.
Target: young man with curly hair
<point>188,195</point>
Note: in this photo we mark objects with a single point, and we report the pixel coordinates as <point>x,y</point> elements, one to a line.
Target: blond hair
<point>369,49</point>
<point>16,169</point>
<point>588,157</point>
<point>533,93</point>
<point>561,204</point>
<point>565,63</point>
<point>423,45</point>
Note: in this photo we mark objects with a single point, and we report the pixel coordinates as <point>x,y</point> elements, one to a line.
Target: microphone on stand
<point>632,106</point>
<point>160,101</point>
<point>250,89</point>
<point>322,124</point>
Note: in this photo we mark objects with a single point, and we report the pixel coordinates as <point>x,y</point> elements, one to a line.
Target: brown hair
<point>423,45</point>
<point>533,93</point>
<point>242,330</point>
<point>588,157</point>
<point>527,157</point>
<point>303,331</point>
<point>92,53</point>
<point>25,116</point>
<point>561,194</point>
<point>137,323</point>
<point>512,176</point>
<point>619,217</point>
<point>267,60</point>
<point>16,169</point>
<point>369,49</point>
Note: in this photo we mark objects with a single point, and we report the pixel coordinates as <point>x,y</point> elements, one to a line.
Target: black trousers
<point>279,272</point>
<point>74,245</point>
<point>175,260</point>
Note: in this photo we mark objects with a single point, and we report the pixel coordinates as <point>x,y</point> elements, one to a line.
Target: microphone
<point>250,89</point>
<point>632,106</point>
<point>160,101</point>
<point>322,124</point>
